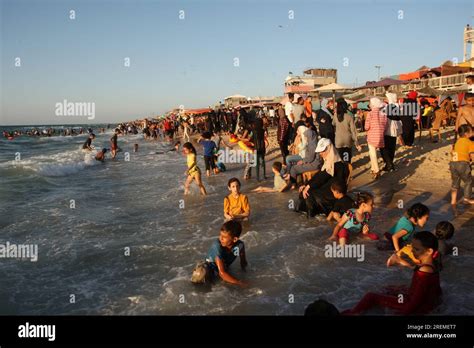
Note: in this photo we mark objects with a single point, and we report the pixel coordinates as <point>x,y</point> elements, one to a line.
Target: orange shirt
<point>308,107</point>
<point>462,150</point>
<point>236,206</point>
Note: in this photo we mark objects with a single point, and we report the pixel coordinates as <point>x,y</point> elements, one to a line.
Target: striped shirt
<point>375,126</point>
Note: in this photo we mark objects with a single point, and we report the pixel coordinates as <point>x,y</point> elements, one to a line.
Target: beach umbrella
<point>333,87</point>
<point>354,97</point>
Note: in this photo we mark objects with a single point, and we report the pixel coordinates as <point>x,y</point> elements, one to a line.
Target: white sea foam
<point>60,164</point>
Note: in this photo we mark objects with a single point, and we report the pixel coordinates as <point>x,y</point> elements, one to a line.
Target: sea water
<point>120,238</point>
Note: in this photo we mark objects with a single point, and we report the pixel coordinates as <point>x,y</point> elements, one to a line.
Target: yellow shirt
<point>236,206</point>
<point>462,150</point>
<point>192,165</point>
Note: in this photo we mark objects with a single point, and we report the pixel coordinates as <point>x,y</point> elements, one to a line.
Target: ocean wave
<point>60,164</point>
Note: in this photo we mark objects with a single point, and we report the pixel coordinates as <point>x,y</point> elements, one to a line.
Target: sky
<point>184,52</point>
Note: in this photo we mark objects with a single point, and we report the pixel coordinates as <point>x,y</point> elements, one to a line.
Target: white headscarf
<point>391,97</point>
<point>330,160</point>
<point>375,103</point>
<point>324,104</point>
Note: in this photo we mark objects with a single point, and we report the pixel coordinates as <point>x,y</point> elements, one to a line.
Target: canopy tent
<point>429,91</point>
<point>354,97</point>
<point>456,90</point>
<point>382,83</point>
<point>332,87</point>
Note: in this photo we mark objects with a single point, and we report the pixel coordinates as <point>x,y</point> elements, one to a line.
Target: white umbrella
<point>333,87</point>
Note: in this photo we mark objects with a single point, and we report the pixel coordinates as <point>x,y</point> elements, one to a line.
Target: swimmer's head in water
<point>444,230</point>
<point>234,186</point>
<point>424,244</point>
<point>230,233</point>
<point>321,308</point>
<point>104,150</point>
<point>419,213</point>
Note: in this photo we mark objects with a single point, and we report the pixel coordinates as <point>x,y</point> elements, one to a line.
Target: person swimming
<point>100,156</point>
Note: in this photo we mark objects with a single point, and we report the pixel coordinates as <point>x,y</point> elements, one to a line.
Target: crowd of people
<point>321,143</point>
<point>317,149</point>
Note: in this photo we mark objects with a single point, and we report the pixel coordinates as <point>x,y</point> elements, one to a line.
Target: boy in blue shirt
<point>222,254</point>
<point>209,147</point>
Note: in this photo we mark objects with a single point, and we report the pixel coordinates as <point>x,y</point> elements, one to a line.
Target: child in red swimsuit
<point>425,291</point>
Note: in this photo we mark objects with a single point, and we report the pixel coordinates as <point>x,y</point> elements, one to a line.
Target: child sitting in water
<point>193,172</point>
<point>355,220</point>
<point>100,156</point>
<point>444,231</point>
<point>221,255</point>
<point>401,234</point>
<point>425,290</point>
<point>236,204</point>
<point>343,203</point>
<point>279,184</point>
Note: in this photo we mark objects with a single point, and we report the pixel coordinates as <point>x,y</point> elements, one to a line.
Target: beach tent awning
<point>332,87</point>
<point>456,90</point>
<point>382,83</point>
<point>427,91</point>
<point>197,111</point>
<point>354,97</point>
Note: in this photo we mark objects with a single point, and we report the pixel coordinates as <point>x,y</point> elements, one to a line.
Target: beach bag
<point>394,128</point>
<point>201,273</point>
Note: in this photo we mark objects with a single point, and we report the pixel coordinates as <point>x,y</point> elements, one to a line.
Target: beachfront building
<point>311,79</point>
<point>234,100</point>
<point>242,101</point>
<point>449,76</point>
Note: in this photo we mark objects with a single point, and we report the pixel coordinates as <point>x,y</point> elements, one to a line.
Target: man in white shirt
<point>298,108</point>
<point>289,107</point>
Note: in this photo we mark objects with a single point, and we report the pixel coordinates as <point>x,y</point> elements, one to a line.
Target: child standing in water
<point>193,172</point>
<point>113,143</point>
<point>401,234</point>
<point>236,204</point>
<point>425,291</point>
<point>355,220</point>
<point>209,147</point>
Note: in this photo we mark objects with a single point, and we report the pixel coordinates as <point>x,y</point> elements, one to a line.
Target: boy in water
<point>100,156</point>
<point>113,143</point>
<point>225,250</point>
<point>88,142</point>
<point>279,184</point>
<point>209,147</point>
<point>236,204</point>
<point>343,203</point>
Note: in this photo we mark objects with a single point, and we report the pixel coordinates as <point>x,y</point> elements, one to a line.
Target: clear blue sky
<point>190,61</point>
